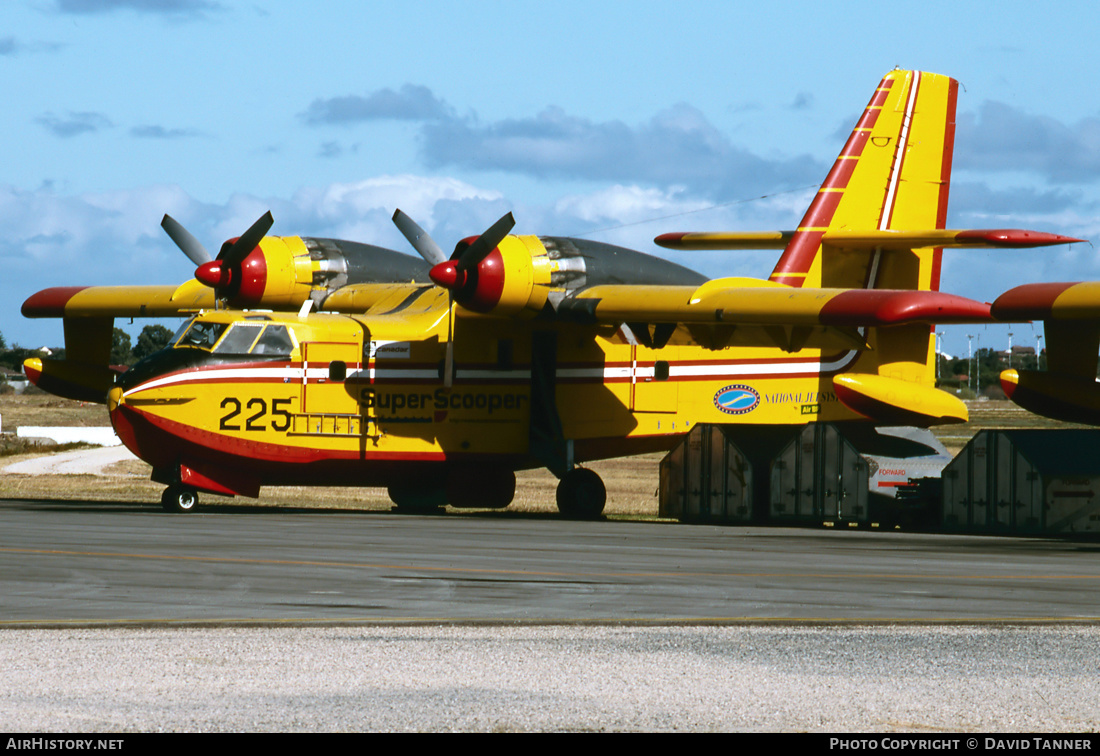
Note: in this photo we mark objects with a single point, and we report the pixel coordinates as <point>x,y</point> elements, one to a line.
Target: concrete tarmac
<point>116,617</point>
<point>934,682</point>
<point>72,562</point>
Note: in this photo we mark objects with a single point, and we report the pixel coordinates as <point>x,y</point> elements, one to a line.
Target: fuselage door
<point>329,370</point>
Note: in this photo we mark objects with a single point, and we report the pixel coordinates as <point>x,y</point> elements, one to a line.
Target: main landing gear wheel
<point>581,494</point>
<point>179,499</point>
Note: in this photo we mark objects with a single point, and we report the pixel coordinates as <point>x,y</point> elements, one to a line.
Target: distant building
<point>13,378</point>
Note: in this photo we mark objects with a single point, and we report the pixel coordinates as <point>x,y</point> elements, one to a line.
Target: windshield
<point>201,334</point>
<point>179,332</point>
<point>246,338</point>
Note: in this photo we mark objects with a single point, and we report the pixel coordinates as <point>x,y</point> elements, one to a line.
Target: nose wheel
<point>179,499</point>
<point>581,494</point>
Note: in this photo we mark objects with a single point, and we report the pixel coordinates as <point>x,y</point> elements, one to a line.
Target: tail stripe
<point>899,156</point>
<point>900,151</point>
<point>796,259</point>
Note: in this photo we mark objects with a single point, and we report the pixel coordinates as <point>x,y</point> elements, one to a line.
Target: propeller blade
<point>418,238</point>
<point>191,246</point>
<point>248,241</point>
<point>449,353</point>
<point>485,243</point>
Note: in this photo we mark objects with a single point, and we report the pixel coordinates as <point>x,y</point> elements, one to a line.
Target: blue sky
<point>614,120</point>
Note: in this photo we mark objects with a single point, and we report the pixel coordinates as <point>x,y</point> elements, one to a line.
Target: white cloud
<point>114,237</point>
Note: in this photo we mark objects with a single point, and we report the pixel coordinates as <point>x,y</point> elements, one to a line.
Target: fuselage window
<point>240,338</point>
<point>275,342</point>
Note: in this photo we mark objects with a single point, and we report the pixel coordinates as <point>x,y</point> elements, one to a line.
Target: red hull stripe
<point>179,439</point>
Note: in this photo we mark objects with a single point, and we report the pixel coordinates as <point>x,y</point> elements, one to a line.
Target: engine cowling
<point>282,272</point>
<point>514,277</point>
<point>276,274</point>
<point>518,276</point>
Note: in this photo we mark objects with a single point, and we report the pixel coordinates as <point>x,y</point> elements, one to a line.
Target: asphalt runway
<point>71,563</point>
<point>116,617</point>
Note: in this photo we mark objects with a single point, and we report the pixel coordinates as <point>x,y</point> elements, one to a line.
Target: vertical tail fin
<point>894,173</point>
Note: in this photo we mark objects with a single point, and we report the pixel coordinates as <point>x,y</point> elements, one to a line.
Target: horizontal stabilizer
<point>870,240</point>
<point>732,240</point>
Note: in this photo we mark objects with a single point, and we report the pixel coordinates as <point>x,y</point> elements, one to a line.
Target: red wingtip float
<point>349,368</point>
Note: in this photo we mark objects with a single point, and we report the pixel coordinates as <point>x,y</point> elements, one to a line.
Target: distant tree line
<point>151,339</point>
<point>981,374</point>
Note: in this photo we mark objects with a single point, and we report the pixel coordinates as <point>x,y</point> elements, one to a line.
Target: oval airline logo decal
<point>737,399</point>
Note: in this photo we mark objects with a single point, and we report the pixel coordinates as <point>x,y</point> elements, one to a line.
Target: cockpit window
<point>275,341</point>
<point>240,338</point>
<point>253,338</point>
<point>179,332</point>
<point>201,334</point>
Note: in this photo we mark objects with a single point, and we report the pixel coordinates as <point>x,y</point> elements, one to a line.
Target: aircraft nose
<point>114,398</point>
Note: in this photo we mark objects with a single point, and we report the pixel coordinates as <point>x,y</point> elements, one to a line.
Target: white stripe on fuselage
<point>294,373</point>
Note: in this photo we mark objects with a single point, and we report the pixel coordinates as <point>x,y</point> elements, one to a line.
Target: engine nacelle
<point>519,275</point>
<point>275,275</point>
<point>284,271</point>
<point>512,278</point>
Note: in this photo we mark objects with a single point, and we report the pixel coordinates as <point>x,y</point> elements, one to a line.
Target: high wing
<point>252,271</point>
<point>1067,389</point>
<point>735,312</point>
<point>119,301</point>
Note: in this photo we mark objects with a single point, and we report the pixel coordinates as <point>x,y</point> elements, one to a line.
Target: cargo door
<point>1029,496</point>
<point>1004,477</point>
<point>738,484</point>
<point>852,478</point>
<point>792,472</point>
<point>981,453</point>
<point>330,373</point>
<point>650,387</point>
<point>695,449</point>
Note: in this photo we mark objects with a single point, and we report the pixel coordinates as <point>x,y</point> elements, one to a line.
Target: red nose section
<point>213,274</point>
<point>445,274</point>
